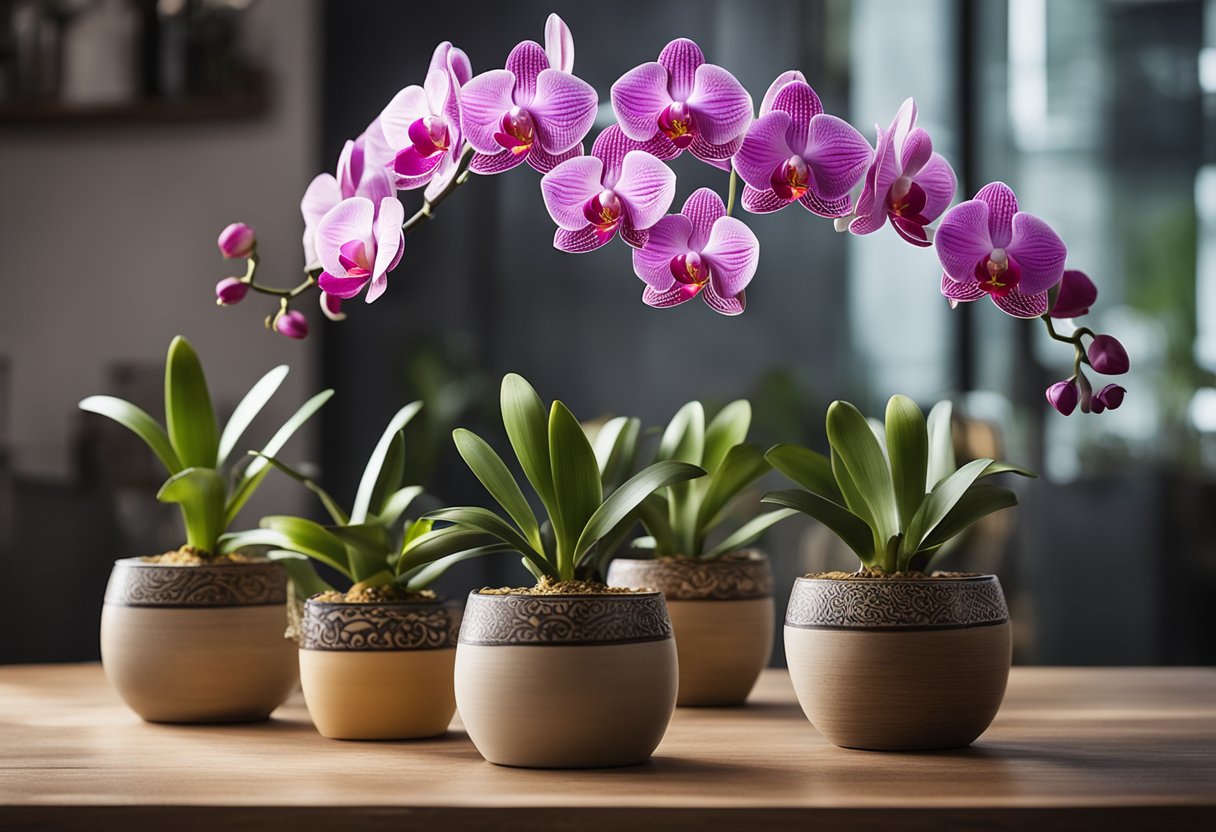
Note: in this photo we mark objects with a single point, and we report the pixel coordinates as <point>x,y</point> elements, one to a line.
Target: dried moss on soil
<point>189,556</point>
<point>386,594</point>
<point>548,586</point>
<point>878,575</point>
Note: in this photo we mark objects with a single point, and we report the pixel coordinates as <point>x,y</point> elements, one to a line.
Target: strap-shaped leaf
<point>248,409</point>
<point>849,491</point>
<point>908,452</point>
<point>450,540</point>
<point>397,504</point>
<point>199,492</point>
<point>997,467</point>
<point>493,473</point>
<point>748,533</point>
<point>654,514</point>
<point>684,438</point>
<point>420,577</point>
<point>616,446</point>
<point>301,572</point>
<point>941,443</point>
<point>630,495</point>
<point>188,412</point>
<point>312,539</point>
<point>484,520</point>
<point>527,425</point>
<point>335,511</point>
<point>138,422</point>
<point>743,465</point>
<point>976,503</point>
<point>810,469</point>
<point>371,538</point>
<point>850,528</point>
<point>726,430</point>
<point>576,478</point>
<point>939,502</point>
<point>852,438</point>
<point>382,475</point>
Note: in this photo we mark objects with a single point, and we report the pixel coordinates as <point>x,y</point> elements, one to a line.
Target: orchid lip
<point>429,135</point>
<point>998,273</point>
<point>678,124</point>
<point>791,179</point>
<point>604,210</point>
<point>353,257</point>
<point>518,131</point>
<point>690,270</point>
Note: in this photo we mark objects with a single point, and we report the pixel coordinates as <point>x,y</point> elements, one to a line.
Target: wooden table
<point>1090,749</point>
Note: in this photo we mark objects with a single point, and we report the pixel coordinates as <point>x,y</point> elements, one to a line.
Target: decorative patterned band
<point>404,626</point>
<point>744,576</point>
<point>564,619</point>
<point>135,582</point>
<point>944,603</point>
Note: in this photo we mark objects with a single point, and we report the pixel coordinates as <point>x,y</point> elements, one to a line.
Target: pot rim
<point>570,596</point>
<point>927,580</point>
<point>566,620</point>
<point>865,605</point>
<point>401,626</point>
<point>754,555</point>
<point>135,582</point>
<point>432,602</point>
<point>139,562</point>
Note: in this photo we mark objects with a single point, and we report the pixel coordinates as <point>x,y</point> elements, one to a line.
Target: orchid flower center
<point>678,124</point>
<point>690,271</point>
<point>791,178</point>
<point>998,273</point>
<point>518,131</point>
<point>908,201</point>
<point>604,210</point>
<point>429,135</point>
<point>353,257</point>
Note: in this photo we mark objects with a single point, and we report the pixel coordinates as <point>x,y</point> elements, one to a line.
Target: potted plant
<point>568,673</point>
<point>719,595</point>
<point>940,641</point>
<point>196,635</point>
<point>376,659</point>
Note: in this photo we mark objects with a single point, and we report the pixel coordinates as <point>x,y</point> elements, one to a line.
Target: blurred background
<point>132,131</point>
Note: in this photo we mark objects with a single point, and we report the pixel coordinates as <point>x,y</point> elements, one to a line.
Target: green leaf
<point>616,446</point>
<point>415,530</point>
<point>259,467</point>
<point>939,503</point>
<point>941,443</point>
<point>977,503</point>
<point>908,453</point>
<point>850,493</point>
<point>396,505</point>
<point>654,514</point>
<point>312,539</point>
<point>684,439</point>
<point>371,537</point>
<point>440,543</point>
<point>420,577</point>
<point>248,409</point>
<point>199,492</point>
<point>382,475</point>
<point>1006,468</point>
<point>302,573</point>
<point>493,473</point>
<point>188,412</point>
<point>484,520</point>
<point>748,533</point>
<point>576,478</point>
<point>725,431</point>
<point>850,528</point>
<point>331,505</point>
<point>527,425</point>
<point>629,496</point>
<point>743,465</point>
<point>851,438</point>
<point>138,422</point>
<point>810,469</point>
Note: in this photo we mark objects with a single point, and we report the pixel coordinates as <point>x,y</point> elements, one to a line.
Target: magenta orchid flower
<point>361,172</point>
<point>988,247</point>
<point>359,244</point>
<point>621,186</point>
<point>691,104</point>
<point>907,182</point>
<point>699,251</point>
<point>795,152</point>
<point>422,124</point>
<point>535,110</point>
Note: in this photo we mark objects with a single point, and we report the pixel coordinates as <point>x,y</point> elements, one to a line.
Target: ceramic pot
<point>722,615</point>
<point>379,671</point>
<point>899,665</point>
<point>198,643</point>
<point>566,681</point>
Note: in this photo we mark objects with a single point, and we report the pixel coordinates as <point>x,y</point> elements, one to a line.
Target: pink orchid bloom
<point>360,244</point>
<point>787,77</point>
<point>907,183</point>
<point>422,124</point>
<point>361,172</point>
<point>989,248</point>
<point>699,251</point>
<point>797,153</point>
<point>693,105</point>
<point>535,110</point>
<point>621,186</point>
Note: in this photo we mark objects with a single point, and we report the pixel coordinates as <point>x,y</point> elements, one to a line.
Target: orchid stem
<point>1079,356</point>
<point>730,194</point>
<point>426,212</point>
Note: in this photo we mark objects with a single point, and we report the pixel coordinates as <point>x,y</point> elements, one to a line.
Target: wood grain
<point>1071,749</point>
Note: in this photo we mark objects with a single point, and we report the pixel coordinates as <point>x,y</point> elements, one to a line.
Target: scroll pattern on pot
<point>584,619</point>
<point>926,604</point>
<point>684,579</point>
<point>379,626</point>
<point>137,583</point>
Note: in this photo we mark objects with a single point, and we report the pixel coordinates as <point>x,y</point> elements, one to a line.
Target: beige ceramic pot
<point>379,671</point>
<point>566,681</point>
<point>722,615</point>
<point>899,665</point>
<point>198,643</point>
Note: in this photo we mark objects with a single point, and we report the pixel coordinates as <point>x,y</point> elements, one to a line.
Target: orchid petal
<point>341,287</point>
<point>905,120</point>
<point>1019,305</point>
<point>412,165</point>
<point>723,305</point>
<point>460,66</point>
<point>331,306</point>
<point>442,177</point>
<point>390,245</point>
<point>437,84</point>
<point>703,208</point>
<point>526,62</point>
<point>830,208</point>
<point>681,58</point>
<point>911,231</point>
<point>883,171</point>
<point>634,237</point>
<point>915,151</point>
<point>559,44</point>
<point>646,187</point>
<point>837,155</point>
<point>724,106</point>
<point>581,241</point>
<point>350,168</point>
<point>963,239</point>
<point>638,97</point>
<point>1039,252</point>
<point>759,201</point>
<point>483,100</point>
<point>543,161</point>
<point>406,107</point>
<point>673,295</point>
<point>936,179</point>
<point>1002,205</point>
<point>350,219</point>
<point>669,237</point>
<point>567,188</point>
<point>960,292</point>
<point>733,253</point>
<point>564,109</point>
<point>377,152</point>
<point>488,164</point>
<point>718,155</point>
<point>611,145</point>
<point>787,77</point>
<point>764,148</point>
<point>801,103</point>
<point>321,195</point>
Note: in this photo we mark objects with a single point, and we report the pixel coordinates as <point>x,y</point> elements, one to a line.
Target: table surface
<point>1071,748</point>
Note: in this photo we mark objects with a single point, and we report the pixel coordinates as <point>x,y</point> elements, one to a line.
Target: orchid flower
<point>907,182</point>
<point>621,186</point>
<point>361,172</point>
<point>535,110</point>
<point>988,247</point>
<point>795,152</point>
<point>693,105</point>
<point>359,244</point>
<point>699,251</point>
<point>422,124</point>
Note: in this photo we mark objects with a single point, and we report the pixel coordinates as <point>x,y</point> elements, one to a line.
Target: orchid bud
<point>293,324</point>
<point>1107,356</point>
<point>237,241</point>
<point>1111,397</point>
<point>1063,396</point>
<point>230,290</point>
<point>1077,294</point>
